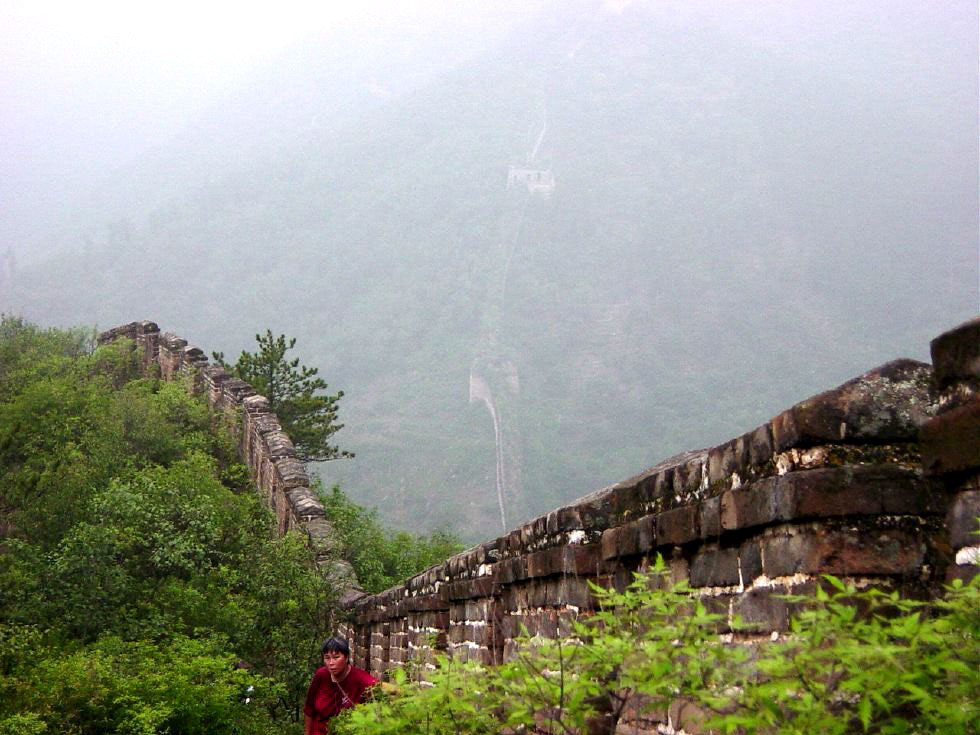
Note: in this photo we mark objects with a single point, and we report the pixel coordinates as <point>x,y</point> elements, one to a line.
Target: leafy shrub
<point>180,685</point>
<point>855,660</point>
<point>447,700</point>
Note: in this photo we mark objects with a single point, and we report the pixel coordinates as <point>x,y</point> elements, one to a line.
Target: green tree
<point>138,564</point>
<point>298,396</point>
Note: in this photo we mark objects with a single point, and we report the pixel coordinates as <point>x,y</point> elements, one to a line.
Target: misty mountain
<point>738,220</point>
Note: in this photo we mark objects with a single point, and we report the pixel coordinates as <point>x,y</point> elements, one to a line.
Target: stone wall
<point>263,446</point>
<point>950,442</point>
<point>876,481</point>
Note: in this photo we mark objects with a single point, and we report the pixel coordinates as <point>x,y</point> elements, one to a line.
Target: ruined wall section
<point>263,446</point>
<point>835,484</point>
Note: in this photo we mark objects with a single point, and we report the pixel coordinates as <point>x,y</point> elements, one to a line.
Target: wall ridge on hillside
<point>263,446</point>
<point>876,480</point>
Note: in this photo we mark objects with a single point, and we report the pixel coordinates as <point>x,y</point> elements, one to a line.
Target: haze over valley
<point>540,246</point>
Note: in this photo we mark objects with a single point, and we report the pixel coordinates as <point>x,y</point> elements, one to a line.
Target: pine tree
<point>297,395</point>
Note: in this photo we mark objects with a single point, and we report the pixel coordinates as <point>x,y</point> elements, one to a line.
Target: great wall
<point>877,481</point>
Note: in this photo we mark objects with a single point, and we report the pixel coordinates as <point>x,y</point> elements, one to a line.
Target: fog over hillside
<point>541,246</point>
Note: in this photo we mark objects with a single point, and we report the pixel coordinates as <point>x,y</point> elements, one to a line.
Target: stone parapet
<point>874,481</point>
<point>951,441</point>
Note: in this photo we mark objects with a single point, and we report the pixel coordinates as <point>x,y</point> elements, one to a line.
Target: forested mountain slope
<point>743,212</point>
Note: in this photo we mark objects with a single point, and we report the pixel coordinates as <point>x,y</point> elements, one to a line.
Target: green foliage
<point>27,351</point>
<point>138,562</point>
<point>296,395</point>
<point>448,700</point>
<point>382,558</point>
<point>866,660</point>
<point>854,661</point>
<point>180,685</point>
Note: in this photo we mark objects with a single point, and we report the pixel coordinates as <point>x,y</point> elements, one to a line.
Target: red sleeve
<point>364,682</point>
<point>308,708</point>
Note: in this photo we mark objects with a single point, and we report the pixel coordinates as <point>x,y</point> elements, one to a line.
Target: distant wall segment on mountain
<point>263,445</point>
<point>876,481</point>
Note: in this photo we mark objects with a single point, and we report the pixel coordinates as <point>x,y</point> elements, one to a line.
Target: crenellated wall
<point>263,445</point>
<point>877,480</point>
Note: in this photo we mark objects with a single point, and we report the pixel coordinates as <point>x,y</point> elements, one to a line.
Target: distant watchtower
<point>539,182</point>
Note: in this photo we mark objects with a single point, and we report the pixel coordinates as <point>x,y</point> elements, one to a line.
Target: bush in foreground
<point>853,661</point>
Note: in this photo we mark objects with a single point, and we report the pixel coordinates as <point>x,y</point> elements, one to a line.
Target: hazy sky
<point>756,199</point>
<point>86,87</point>
<point>85,84</point>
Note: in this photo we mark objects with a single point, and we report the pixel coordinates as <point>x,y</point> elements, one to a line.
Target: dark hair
<point>336,644</point>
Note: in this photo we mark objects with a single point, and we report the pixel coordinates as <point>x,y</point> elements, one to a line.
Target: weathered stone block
<point>425,603</point>
<point>885,405</point>
<point>714,568</point>
<point>741,448</point>
<point>573,591</point>
<point>516,597</point>
<point>761,445</point>
<point>678,526</point>
<point>573,559</point>
<point>721,463</point>
<point>689,473</point>
<point>951,441</point>
<point>234,391</point>
<point>319,532</point>
<point>956,354</point>
<point>629,539</point>
<point>663,485</point>
<point>689,717</point>
<point>565,519</point>
<point>304,503</point>
<point>625,498</point>
<point>750,560</point>
<point>510,570</point>
<point>290,473</point>
<point>761,608</point>
<point>710,517</point>
<point>264,423</point>
<point>679,569</point>
<point>646,486</point>
<point>478,609</point>
<point>466,588</point>
<point>646,533</point>
<point>611,543</point>
<point>964,529</point>
<point>831,491</point>
<point>541,563</point>
<point>595,510</point>
<point>843,552</point>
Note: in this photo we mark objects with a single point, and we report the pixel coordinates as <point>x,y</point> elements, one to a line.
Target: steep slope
<point>723,208</point>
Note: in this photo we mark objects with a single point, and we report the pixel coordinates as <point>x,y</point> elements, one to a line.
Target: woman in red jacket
<point>336,685</point>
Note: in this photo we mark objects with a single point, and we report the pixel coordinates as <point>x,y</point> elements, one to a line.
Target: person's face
<point>335,662</point>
